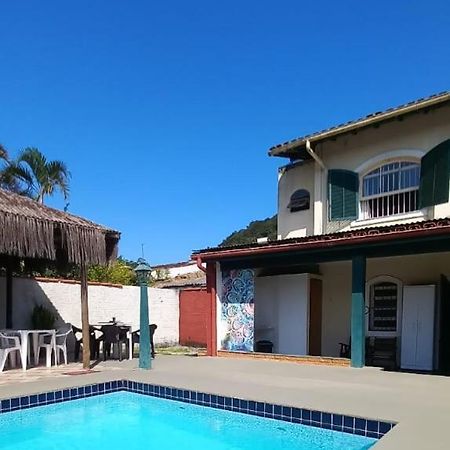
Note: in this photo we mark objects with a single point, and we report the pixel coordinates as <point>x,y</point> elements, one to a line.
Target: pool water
<point>127,421</point>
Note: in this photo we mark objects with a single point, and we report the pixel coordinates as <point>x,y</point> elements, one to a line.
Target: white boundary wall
<point>105,302</point>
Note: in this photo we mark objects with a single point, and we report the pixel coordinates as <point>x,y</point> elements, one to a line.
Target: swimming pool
<point>131,415</point>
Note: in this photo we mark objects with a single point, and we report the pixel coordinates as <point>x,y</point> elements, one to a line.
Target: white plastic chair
<point>8,345</point>
<point>45,341</point>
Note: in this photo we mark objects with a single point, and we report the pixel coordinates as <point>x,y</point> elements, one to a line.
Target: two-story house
<point>360,266</point>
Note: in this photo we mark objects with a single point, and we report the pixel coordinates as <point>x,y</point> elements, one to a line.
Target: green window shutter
<point>435,175</point>
<point>343,186</point>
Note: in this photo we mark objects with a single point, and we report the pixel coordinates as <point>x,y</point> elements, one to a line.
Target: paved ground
<point>419,403</point>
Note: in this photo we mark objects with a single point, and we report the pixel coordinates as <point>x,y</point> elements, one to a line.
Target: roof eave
<point>290,149</point>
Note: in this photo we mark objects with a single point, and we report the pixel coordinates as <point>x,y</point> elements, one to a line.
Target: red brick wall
<point>193,316</point>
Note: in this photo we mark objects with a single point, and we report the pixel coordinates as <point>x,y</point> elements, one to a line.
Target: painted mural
<point>237,314</point>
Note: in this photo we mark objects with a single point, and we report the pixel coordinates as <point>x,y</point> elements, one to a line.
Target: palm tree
<point>41,177</point>
<point>8,179</point>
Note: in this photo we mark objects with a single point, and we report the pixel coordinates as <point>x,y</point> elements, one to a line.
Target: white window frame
<point>369,284</point>
<point>363,198</point>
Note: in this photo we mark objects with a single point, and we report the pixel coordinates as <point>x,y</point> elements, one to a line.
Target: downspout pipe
<point>199,264</point>
<point>314,155</point>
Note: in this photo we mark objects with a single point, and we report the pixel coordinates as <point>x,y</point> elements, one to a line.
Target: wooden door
<point>315,317</point>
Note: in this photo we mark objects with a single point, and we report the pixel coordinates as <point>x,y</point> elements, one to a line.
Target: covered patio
<point>32,233</point>
<point>336,298</point>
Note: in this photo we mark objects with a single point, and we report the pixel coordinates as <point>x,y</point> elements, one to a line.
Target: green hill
<point>254,230</point>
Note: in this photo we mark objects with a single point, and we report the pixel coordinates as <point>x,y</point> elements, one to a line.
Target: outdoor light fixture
<point>142,274</point>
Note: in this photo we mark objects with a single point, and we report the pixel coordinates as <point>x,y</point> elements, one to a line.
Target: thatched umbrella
<point>31,230</point>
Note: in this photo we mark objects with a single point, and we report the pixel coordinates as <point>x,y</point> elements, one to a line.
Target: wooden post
<point>85,317</point>
<point>358,347</point>
<point>9,295</point>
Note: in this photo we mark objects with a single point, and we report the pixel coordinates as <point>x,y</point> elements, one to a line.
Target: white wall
<point>282,311</point>
<point>105,302</point>
<point>299,223</point>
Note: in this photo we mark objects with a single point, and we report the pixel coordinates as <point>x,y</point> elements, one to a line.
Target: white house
<point>362,258</point>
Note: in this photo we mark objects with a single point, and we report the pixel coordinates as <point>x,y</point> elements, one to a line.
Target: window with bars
<point>390,189</point>
<point>383,307</point>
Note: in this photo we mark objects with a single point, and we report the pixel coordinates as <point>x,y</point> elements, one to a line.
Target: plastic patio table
<point>25,348</point>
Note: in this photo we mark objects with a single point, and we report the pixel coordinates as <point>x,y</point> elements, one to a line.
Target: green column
<point>145,361</point>
<point>358,308</point>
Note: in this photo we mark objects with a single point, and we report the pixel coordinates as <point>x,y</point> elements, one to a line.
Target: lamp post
<point>142,273</point>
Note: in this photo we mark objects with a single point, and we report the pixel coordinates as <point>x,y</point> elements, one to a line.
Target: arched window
<point>390,189</point>
<point>299,200</point>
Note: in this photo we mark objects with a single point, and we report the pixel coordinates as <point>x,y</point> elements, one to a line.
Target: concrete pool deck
<point>419,403</point>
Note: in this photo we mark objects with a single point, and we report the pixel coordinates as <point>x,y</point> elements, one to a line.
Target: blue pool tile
<point>94,388</point>
<point>115,385</point>
<point>88,390</point>
<point>66,394</point>
<point>24,401</point>
<point>306,415</point>
<point>348,430</point>
<point>286,411</point>
<point>33,400</point>
<point>228,402</point>
<point>349,422</point>
<point>337,419</point>
<point>372,425</point>
<point>6,405</point>
<point>50,397</point>
<point>81,392</point>
<point>108,386</point>
<point>42,398</point>
<point>243,404</point>
<point>360,424</point>
<point>15,402</point>
<point>326,418</point>
<point>252,406</point>
<point>384,427</point>
<point>372,434</point>
<point>235,403</point>
<point>360,432</point>
<point>296,413</point>
<point>268,409</point>
<point>58,395</point>
<point>277,410</point>
<point>316,416</point>
<point>74,392</point>
<point>260,407</point>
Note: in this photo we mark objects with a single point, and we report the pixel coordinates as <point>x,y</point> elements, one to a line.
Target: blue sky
<point>164,111</point>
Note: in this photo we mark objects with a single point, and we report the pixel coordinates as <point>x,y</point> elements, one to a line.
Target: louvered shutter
<point>434,176</point>
<point>343,186</point>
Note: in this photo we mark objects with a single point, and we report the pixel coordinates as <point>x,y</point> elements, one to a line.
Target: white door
<point>417,327</point>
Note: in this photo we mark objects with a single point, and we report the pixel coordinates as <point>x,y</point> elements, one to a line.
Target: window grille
<point>390,189</point>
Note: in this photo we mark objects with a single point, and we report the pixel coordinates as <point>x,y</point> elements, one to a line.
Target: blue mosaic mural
<point>237,314</point>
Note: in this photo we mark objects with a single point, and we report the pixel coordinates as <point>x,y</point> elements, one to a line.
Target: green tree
<point>119,272</point>
<point>8,179</point>
<point>253,231</point>
<point>39,176</point>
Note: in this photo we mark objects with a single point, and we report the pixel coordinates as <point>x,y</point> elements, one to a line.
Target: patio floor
<point>420,403</point>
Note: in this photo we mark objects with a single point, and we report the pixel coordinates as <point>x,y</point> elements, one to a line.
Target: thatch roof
<point>31,230</point>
